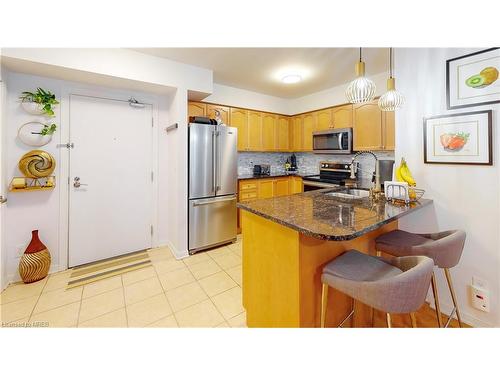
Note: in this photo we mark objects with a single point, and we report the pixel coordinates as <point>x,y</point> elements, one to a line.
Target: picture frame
<point>461,138</point>
<point>473,79</point>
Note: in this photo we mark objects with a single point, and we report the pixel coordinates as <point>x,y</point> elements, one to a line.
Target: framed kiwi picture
<point>473,79</point>
<point>462,138</point>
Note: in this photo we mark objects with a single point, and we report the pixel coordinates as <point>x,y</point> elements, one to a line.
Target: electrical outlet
<point>480,298</point>
<point>480,283</point>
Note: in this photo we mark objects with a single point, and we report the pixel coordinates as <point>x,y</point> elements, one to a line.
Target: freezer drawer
<point>212,221</point>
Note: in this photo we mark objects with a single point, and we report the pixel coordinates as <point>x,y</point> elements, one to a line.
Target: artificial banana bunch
<point>403,174</point>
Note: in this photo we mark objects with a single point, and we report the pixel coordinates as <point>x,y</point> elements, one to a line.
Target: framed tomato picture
<point>462,138</point>
<point>473,79</point>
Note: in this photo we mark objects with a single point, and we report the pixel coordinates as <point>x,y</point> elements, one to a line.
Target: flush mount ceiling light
<point>362,89</point>
<point>392,99</point>
<point>291,78</point>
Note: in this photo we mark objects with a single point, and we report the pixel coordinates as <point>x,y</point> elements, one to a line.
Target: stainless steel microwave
<point>333,141</point>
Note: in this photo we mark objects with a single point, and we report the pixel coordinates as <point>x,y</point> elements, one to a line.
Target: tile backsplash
<point>308,163</point>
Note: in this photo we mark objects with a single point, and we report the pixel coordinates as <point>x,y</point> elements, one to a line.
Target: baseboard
<point>466,317</point>
<point>175,252</point>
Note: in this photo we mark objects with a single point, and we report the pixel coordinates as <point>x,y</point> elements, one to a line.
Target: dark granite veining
<point>329,218</point>
<point>272,175</point>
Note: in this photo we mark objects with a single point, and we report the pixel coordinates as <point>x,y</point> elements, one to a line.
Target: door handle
<point>77,182</point>
<point>213,201</point>
<point>2,199</point>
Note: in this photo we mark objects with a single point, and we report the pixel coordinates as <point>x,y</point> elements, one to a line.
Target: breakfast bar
<point>287,241</point>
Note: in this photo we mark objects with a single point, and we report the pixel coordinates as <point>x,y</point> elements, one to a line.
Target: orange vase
<point>35,262</point>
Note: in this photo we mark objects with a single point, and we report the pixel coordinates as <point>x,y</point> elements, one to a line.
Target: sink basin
<point>349,193</point>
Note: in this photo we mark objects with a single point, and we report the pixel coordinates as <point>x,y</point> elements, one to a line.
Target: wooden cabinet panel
<point>297,133</point>
<point>307,130</point>
<point>197,109</point>
<point>269,132</point>
<point>296,185</point>
<point>239,119</point>
<point>254,131</point>
<point>266,189</point>
<point>342,116</point>
<point>281,187</point>
<point>224,112</point>
<point>367,126</point>
<point>323,119</point>
<point>388,119</point>
<point>283,133</point>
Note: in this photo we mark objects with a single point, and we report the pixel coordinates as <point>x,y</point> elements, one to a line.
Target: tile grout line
<point>79,310</point>
<point>37,300</point>
<point>124,300</point>
<point>165,294</point>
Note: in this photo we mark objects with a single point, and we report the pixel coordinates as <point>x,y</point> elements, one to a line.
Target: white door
<point>110,184</point>
<point>3,198</point>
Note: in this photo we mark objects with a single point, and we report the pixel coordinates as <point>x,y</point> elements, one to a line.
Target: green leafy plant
<point>48,129</point>
<point>46,99</point>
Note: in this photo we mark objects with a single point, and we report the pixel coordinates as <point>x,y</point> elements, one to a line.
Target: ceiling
<point>260,69</point>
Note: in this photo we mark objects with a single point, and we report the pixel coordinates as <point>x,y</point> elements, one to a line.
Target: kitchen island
<point>287,241</point>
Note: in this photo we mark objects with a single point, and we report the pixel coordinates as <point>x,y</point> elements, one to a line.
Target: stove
<point>331,174</point>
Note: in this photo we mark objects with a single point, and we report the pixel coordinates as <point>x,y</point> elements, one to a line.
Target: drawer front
<point>244,196</point>
<point>248,185</point>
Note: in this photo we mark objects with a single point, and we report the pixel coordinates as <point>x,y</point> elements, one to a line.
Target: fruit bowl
<point>401,192</point>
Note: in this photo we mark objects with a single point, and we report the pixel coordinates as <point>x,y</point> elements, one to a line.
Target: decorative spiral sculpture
<point>37,164</point>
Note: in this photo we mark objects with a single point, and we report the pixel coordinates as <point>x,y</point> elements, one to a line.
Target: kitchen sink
<point>349,193</point>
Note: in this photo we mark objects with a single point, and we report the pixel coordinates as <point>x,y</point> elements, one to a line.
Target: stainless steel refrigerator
<point>212,185</point>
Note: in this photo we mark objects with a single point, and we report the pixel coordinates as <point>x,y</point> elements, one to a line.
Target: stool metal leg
<point>436,300</point>
<point>413,320</point>
<point>388,317</point>
<point>453,296</point>
<point>379,253</point>
<point>324,303</point>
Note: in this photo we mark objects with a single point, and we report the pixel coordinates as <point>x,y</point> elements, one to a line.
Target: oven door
<point>316,185</point>
<point>337,141</point>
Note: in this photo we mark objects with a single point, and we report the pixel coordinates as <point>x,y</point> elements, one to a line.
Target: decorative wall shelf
<point>32,184</point>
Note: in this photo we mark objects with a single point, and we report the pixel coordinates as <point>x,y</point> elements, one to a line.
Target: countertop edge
<point>328,237</point>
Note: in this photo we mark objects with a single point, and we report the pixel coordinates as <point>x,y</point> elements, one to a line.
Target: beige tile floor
<point>203,290</point>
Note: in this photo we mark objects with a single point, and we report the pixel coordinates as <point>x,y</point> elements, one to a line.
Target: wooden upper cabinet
<point>389,130</point>
<point>269,132</point>
<point>239,120</point>
<point>283,133</point>
<point>367,127</point>
<point>342,116</point>
<point>323,119</point>
<point>308,127</point>
<point>224,112</point>
<point>254,131</point>
<point>197,109</point>
<point>297,134</point>
<point>281,187</point>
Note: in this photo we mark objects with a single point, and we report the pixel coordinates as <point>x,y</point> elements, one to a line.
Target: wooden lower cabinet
<point>261,188</point>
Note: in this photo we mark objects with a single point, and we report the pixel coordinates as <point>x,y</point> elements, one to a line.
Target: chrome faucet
<point>376,174</point>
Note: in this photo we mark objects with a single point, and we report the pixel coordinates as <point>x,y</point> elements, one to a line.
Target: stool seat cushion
<point>354,265</point>
<point>400,243</point>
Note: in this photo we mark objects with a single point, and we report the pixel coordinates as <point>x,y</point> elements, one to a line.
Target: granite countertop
<point>272,175</point>
<point>329,218</point>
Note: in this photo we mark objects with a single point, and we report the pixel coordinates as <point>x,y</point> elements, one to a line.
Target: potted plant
<point>39,102</point>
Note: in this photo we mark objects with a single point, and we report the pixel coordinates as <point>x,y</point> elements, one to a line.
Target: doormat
<point>89,273</point>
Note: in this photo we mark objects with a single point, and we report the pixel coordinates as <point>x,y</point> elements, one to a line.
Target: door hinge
<point>152,122</point>
<point>151,230</point>
<point>152,176</point>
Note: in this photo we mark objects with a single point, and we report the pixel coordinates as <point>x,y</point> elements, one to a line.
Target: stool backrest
<point>446,249</point>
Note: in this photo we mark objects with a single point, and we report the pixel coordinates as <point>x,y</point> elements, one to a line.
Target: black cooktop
<point>319,178</point>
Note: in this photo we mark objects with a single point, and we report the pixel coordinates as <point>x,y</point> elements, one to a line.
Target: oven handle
<point>318,184</point>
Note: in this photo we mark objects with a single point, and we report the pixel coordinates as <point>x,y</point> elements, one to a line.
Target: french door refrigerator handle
<point>213,201</point>
<point>214,173</point>
<point>217,185</point>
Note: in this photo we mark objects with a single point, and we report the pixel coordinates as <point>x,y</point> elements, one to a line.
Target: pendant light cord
<point>390,62</point>
<point>359,54</point>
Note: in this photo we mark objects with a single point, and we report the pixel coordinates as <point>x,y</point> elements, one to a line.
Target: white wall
<point>3,253</point>
<point>465,197</point>
<point>236,97</point>
<point>44,210</point>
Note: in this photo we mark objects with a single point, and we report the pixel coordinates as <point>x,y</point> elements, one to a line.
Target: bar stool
<point>445,249</point>
<point>398,285</point>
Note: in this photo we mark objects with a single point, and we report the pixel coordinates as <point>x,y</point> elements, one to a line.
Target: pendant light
<point>362,89</point>
<point>392,99</point>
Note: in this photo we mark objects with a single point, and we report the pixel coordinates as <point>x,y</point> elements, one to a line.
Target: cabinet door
<point>266,189</point>
<point>297,133</point>
<point>281,187</point>
<point>367,127</point>
<point>388,119</point>
<point>283,133</point>
<point>254,131</point>
<point>296,185</point>
<point>269,132</point>
<point>308,126</point>
<point>224,112</point>
<point>342,116</point>
<point>239,119</point>
<point>323,119</point>
<point>196,109</point>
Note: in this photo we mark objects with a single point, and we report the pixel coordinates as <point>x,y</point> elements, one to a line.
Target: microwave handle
<point>340,140</point>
